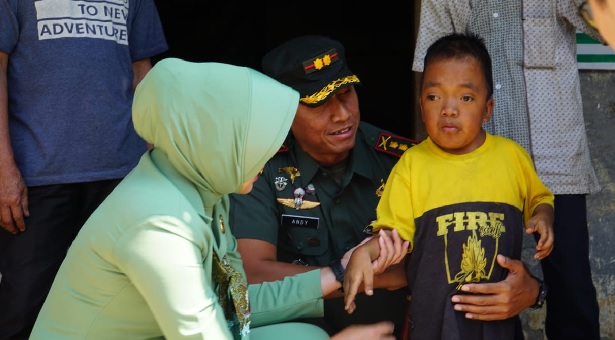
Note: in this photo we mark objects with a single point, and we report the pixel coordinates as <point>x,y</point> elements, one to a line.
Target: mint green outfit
<point>157,259</point>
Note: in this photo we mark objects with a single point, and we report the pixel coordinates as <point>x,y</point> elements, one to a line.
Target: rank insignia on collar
<point>291,171</point>
<point>393,145</point>
<point>380,189</point>
<point>283,148</point>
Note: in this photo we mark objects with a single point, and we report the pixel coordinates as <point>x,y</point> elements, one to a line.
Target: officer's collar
<point>355,163</point>
<point>361,157</point>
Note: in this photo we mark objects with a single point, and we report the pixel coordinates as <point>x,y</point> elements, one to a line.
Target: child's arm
<point>542,223</point>
<point>365,261</point>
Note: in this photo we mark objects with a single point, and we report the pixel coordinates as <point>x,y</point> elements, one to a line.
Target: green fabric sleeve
<point>298,296</point>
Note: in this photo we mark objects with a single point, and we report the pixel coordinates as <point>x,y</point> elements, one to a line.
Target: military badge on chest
<point>298,200</point>
<point>280,183</point>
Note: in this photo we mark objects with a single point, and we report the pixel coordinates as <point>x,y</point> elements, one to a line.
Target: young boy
<point>461,197</point>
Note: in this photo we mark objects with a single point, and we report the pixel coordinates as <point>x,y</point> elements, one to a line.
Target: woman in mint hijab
<point>157,258</point>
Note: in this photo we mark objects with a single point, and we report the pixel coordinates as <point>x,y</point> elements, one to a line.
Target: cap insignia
<point>323,60</point>
<point>332,86</point>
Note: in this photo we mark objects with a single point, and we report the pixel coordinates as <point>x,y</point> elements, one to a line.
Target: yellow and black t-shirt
<point>459,212</point>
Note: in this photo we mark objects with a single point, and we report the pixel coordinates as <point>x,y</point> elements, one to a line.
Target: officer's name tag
<point>289,221</point>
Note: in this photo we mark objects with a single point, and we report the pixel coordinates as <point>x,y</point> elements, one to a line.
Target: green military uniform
<point>314,219</point>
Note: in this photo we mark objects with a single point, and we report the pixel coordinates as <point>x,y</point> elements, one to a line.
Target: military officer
<point>316,196</point>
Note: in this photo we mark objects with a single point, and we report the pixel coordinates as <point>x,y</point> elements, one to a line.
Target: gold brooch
<point>222,228</point>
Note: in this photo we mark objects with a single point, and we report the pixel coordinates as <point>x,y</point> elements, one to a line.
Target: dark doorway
<point>379,43</point>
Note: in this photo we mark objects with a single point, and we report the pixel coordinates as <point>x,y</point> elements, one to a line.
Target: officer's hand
<point>392,250</point>
<point>499,300</point>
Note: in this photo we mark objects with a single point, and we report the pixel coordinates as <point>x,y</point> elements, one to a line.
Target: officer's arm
<point>260,262</point>
<point>393,278</point>
<point>261,265</point>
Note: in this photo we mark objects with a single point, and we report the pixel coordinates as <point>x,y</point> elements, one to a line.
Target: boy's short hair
<point>462,46</point>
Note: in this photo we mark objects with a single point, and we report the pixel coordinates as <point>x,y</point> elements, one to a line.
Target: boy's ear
<point>488,110</point>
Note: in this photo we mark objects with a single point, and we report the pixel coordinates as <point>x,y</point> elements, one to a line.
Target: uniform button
<point>496,14</point>
<point>313,242</point>
<point>498,86</point>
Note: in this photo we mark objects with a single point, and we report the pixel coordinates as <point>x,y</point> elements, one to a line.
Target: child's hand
<point>358,270</point>
<point>369,258</point>
<point>542,223</point>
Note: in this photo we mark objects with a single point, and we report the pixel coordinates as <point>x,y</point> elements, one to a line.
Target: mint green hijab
<point>218,124</point>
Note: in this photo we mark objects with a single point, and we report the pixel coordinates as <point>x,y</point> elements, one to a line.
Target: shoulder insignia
<point>393,144</point>
<point>283,148</point>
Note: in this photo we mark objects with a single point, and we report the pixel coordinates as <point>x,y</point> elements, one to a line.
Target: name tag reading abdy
<point>289,221</point>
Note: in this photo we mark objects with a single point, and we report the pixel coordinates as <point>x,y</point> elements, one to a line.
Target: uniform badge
<point>297,221</point>
<point>291,171</point>
<point>297,202</point>
<point>310,189</point>
<point>298,194</point>
<point>280,183</point>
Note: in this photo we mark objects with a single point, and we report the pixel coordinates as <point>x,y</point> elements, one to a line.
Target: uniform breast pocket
<point>303,235</point>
